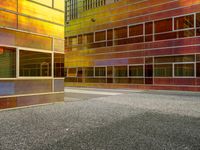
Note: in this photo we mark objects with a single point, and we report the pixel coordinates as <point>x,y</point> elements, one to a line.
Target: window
<point>198,69</point>
<point>73,40</point>
<point>184,70</point>
<point>148,28</point>
<point>109,71</point>
<point>163,70</point>
<point>100,71</point>
<point>120,32</point>
<point>72,72</point>
<point>100,36</point>
<point>80,72</point>
<point>198,19</point>
<point>184,22</point>
<point>120,71</point>
<point>89,37</point>
<point>182,58</point>
<point>136,70</point>
<point>89,71</point>
<point>109,34</point>
<point>163,25</point>
<point>34,63</point>
<point>71,9</point>
<point>58,65</point>
<point>7,63</point>
<point>136,30</point>
<point>80,39</point>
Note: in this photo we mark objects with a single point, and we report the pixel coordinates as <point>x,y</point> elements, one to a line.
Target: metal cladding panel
<point>136,31</point>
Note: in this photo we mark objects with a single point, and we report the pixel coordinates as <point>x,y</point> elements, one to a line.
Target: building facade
<point>31,52</point>
<point>145,44</point>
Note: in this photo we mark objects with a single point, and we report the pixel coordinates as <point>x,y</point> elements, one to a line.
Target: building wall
<point>31,52</point>
<point>142,44</point>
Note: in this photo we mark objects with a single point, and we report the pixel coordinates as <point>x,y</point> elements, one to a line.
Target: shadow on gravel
<point>148,131</point>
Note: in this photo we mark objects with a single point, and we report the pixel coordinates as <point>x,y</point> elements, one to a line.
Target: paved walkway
<point>106,119</point>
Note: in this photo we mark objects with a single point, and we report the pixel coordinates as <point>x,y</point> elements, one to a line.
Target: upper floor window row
<point>169,28</point>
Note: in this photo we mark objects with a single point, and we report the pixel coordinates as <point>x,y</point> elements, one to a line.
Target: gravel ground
<point>131,121</point>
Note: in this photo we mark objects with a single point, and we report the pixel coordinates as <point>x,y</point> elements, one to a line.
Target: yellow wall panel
<point>33,25</point>
<point>41,12</point>
<point>9,4</point>
<point>59,45</point>
<point>44,2</point>
<point>8,19</point>
<point>59,4</point>
<point>15,38</point>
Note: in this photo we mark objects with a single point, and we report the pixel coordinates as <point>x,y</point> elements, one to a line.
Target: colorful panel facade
<point>31,52</point>
<point>150,44</point>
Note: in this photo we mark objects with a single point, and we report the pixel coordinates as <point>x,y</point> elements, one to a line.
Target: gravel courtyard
<point>124,120</point>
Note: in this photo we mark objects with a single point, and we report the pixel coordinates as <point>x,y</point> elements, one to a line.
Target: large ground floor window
<point>7,62</point>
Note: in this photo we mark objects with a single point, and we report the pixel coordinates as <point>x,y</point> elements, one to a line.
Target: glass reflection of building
<point>31,52</point>
<point>150,44</point>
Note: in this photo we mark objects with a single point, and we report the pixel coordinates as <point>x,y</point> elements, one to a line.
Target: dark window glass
<point>184,58</point>
<point>163,25</point>
<point>89,37</point>
<point>71,72</point>
<point>139,39</point>
<point>100,36</point>
<point>186,33</point>
<point>165,36</point>
<point>148,70</point>
<point>100,71</point>
<point>149,28</point>
<point>184,22</point>
<point>198,19</point>
<point>184,69</point>
<point>73,40</point>
<point>135,70</point>
<point>7,63</point>
<point>136,30</point>
<point>121,42</point>
<point>120,71</point>
<point>163,70</point>
<point>58,65</point>
<point>198,57</point>
<point>80,72</point>
<point>89,71</point>
<point>109,34</point>
<point>198,69</point>
<point>80,39</point>
<point>35,63</point>
<point>109,71</point>
<point>120,32</point>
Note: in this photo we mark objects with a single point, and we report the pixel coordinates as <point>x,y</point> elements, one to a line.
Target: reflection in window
<point>120,32</point>
<point>89,71</point>
<point>71,72</point>
<point>35,63</point>
<point>184,22</point>
<point>58,65</point>
<point>7,63</point>
<point>163,70</point>
<point>73,40</point>
<point>163,25</point>
<point>148,28</point>
<point>135,70</point>
<point>198,69</point>
<point>100,36</point>
<point>109,71</point>
<point>89,38</point>
<point>184,69</point>
<point>136,30</point>
<point>120,71</point>
<point>100,71</point>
